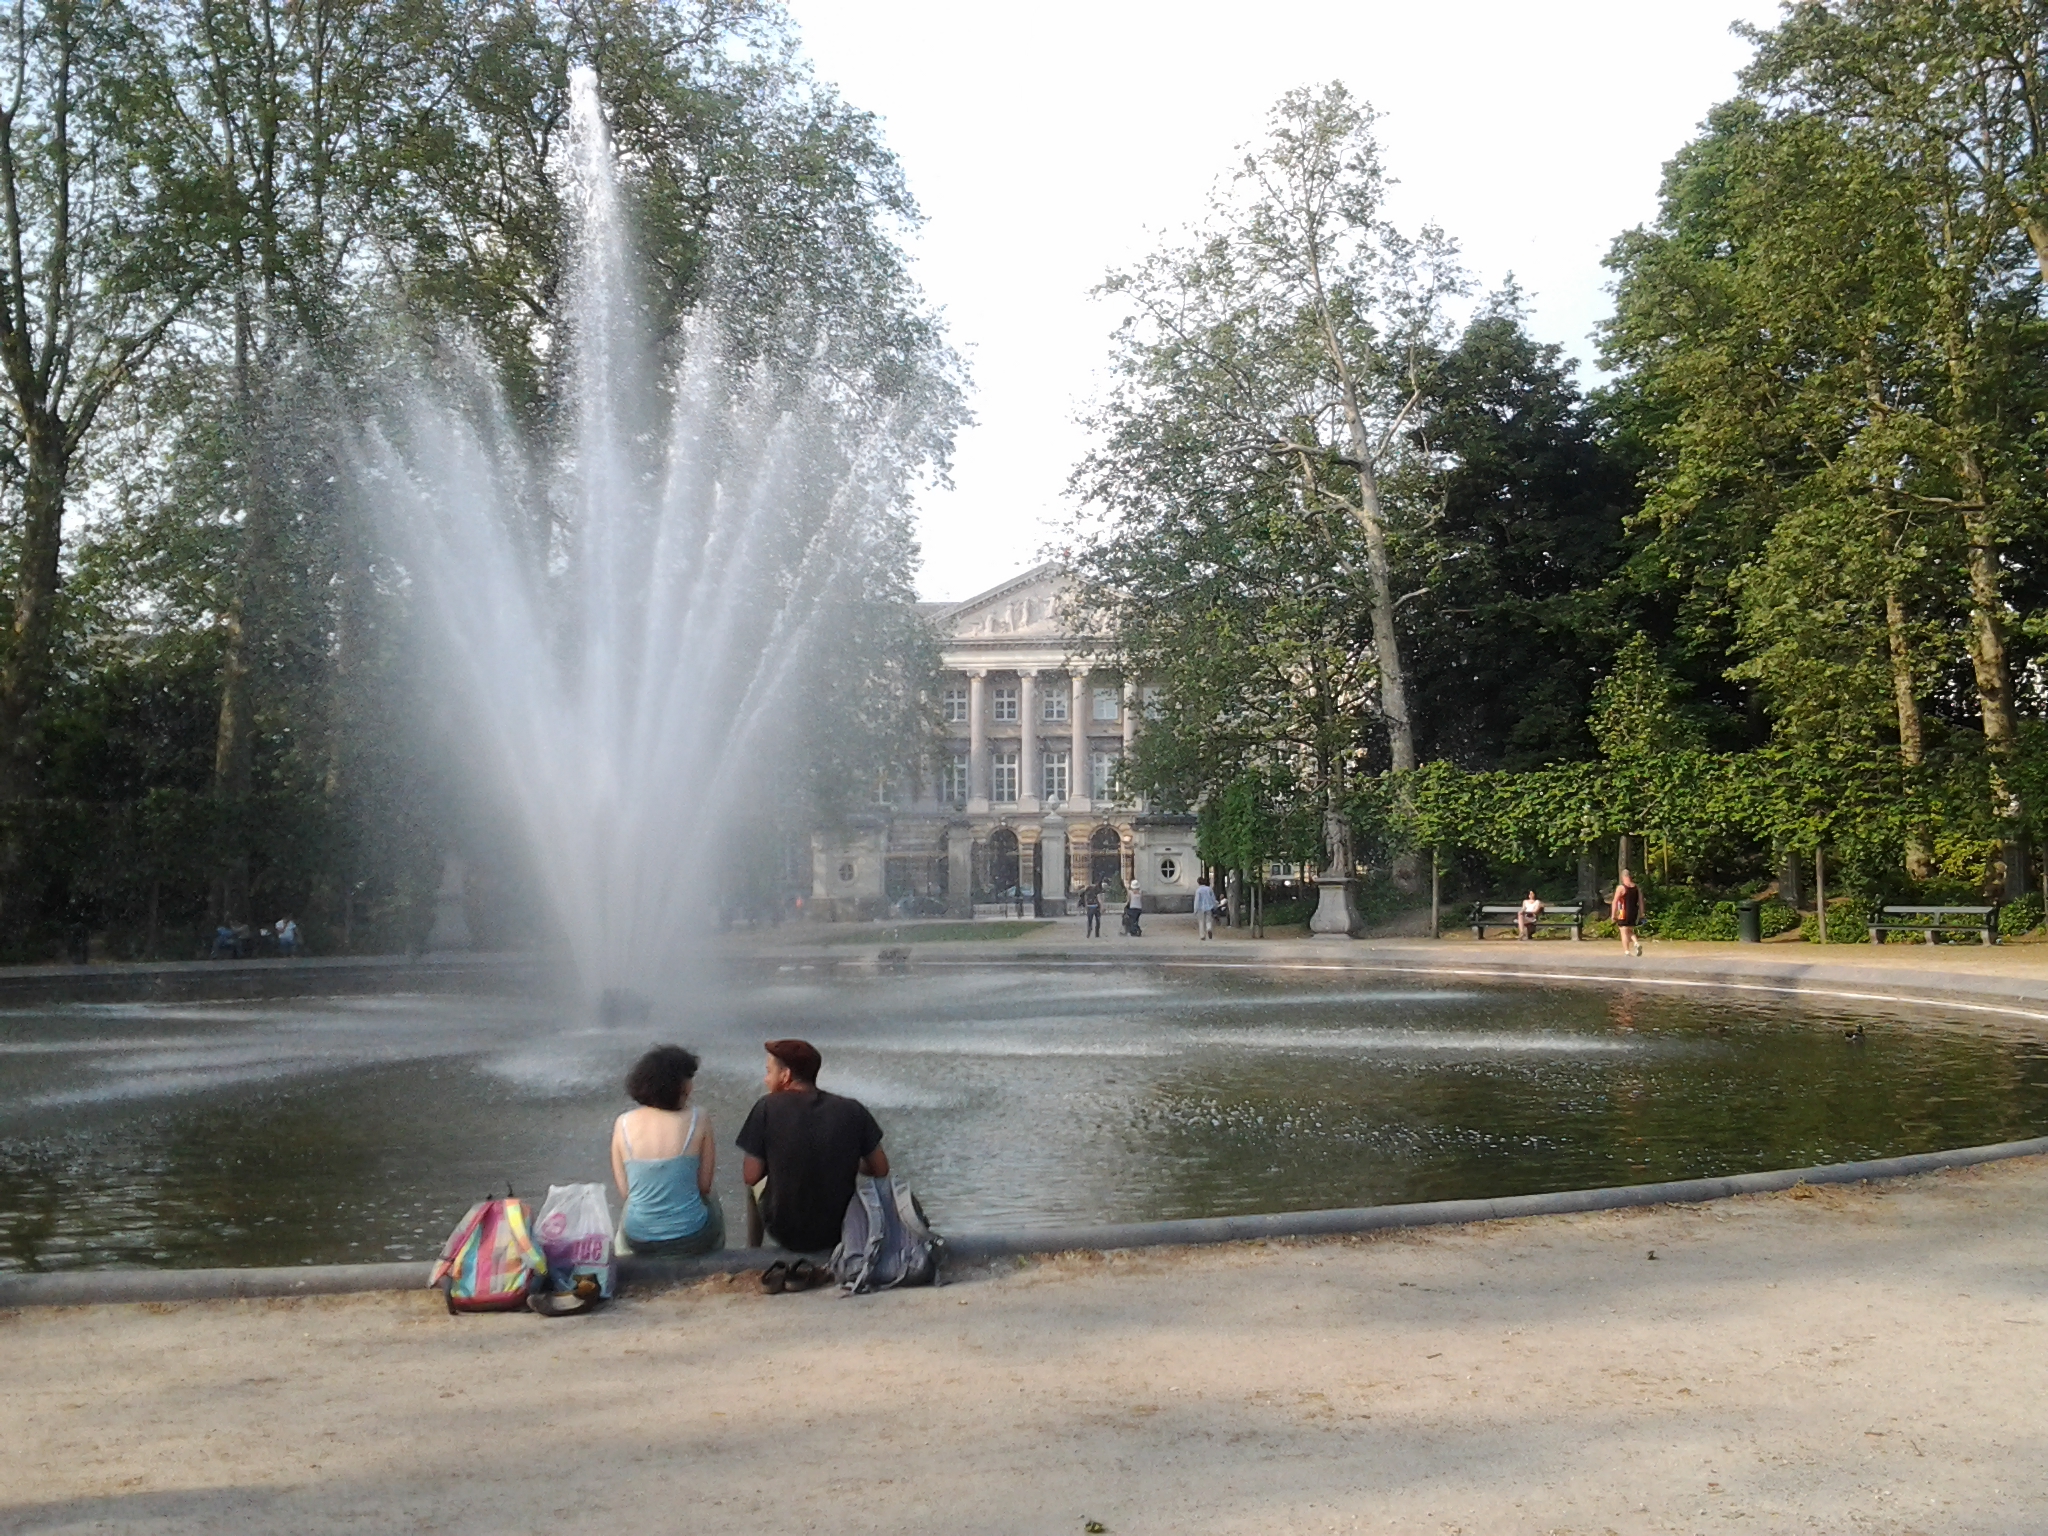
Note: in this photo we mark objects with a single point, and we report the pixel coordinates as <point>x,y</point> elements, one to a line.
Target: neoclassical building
<point>1023,800</point>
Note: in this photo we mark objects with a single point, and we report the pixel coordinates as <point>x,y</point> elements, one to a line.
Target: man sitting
<point>803,1148</point>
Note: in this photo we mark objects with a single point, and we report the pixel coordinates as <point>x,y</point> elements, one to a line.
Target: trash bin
<point>1749,922</point>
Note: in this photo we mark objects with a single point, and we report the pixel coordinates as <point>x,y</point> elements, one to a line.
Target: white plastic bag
<point>575,1232</point>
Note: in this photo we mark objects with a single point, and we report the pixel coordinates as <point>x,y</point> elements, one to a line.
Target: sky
<point>1052,143</point>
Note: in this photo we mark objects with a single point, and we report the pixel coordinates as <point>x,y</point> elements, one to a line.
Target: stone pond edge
<point>100,1287</point>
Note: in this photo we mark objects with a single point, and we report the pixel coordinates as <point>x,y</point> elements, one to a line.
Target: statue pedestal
<point>1336,915</point>
<point>451,910</point>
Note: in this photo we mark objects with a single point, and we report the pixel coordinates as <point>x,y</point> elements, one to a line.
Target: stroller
<point>1131,929</point>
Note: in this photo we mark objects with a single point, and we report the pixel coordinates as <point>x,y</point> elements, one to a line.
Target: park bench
<point>1569,915</point>
<point>1982,921</point>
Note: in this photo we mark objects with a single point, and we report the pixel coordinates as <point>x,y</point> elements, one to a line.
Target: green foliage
<point>2021,916</point>
<point>1635,710</point>
<point>232,711</point>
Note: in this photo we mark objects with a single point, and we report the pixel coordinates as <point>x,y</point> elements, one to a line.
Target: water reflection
<point>359,1129</point>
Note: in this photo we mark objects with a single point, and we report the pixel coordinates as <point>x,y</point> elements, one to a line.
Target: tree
<point>105,218</point>
<point>1834,387</point>
<point>1313,239</point>
<point>1264,371</point>
<point>1517,509</point>
<point>1948,98</point>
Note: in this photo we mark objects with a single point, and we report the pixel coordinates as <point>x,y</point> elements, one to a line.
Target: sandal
<point>775,1278</point>
<point>803,1274</point>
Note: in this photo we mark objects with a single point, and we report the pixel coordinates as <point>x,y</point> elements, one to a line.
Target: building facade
<point>1021,808</point>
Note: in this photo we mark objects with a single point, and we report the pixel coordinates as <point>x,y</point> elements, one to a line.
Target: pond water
<point>355,1129</point>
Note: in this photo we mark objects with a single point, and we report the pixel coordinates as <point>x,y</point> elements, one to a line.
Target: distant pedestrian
<point>1091,904</point>
<point>1525,919</point>
<point>224,942</point>
<point>287,937</point>
<point>1205,908</point>
<point>1627,911</point>
<point>1134,911</point>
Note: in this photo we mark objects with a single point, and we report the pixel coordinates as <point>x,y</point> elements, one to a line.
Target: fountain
<point>625,624</point>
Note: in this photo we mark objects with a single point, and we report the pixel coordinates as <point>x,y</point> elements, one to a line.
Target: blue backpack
<point>885,1241</point>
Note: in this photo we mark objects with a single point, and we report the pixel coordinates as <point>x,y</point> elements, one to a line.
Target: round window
<point>1168,870</point>
<point>846,870</point>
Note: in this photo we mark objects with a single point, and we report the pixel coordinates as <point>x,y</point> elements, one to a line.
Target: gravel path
<point>1830,1360</point>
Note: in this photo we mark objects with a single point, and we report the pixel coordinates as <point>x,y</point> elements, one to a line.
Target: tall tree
<point>1311,233</point>
<point>1836,379</point>
<point>105,220</point>
<point>1951,98</point>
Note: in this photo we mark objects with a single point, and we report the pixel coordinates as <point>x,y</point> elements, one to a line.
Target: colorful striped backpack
<point>490,1262</point>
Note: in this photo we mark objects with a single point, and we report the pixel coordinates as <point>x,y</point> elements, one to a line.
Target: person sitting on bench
<point>1525,920</point>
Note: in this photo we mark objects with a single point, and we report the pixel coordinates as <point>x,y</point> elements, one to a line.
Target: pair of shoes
<point>783,1276</point>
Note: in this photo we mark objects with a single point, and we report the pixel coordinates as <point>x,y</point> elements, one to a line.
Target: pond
<point>1015,1096</point>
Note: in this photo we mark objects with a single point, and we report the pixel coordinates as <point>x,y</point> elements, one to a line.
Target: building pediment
<point>1027,607</point>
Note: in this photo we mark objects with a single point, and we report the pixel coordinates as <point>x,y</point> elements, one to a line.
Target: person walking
<point>1627,912</point>
<point>1091,903</point>
<point>1205,908</point>
<point>1134,912</point>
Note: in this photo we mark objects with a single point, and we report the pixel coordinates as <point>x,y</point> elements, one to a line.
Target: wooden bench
<point>1567,915</point>
<point>1982,921</point>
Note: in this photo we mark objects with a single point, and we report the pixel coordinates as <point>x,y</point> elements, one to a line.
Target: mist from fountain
<point>627,623</point>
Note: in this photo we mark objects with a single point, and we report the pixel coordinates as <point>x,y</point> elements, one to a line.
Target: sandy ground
<point>1827,1360</point>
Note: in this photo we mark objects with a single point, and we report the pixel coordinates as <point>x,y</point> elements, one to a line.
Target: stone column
<point>959,869</point>
<point>1079,785</point>
<point>1052,866</point>
<point>1131,721</point>
<point>1027,740</point>
<point>451,909</point>
<point>977,741</point>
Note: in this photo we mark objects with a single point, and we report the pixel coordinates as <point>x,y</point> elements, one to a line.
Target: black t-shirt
<point>813,1143</point>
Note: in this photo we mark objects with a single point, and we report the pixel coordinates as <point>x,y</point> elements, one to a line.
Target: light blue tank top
<point>662,1201</point>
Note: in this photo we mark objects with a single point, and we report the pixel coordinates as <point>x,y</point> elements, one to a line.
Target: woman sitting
<point>663,1159</point>
<point>1525,919</point>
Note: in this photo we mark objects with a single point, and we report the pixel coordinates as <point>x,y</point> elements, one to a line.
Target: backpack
<point>490,1262</point>
<point>885,1241</point>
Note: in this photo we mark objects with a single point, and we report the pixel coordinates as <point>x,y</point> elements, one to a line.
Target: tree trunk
<point>1993,676</point>
<point>1820,893</point>
<point>1386,642</point>
<point>26,673</point>
<point>1912,748</point>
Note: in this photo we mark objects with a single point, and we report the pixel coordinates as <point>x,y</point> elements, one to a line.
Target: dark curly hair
<point>661,1078</point>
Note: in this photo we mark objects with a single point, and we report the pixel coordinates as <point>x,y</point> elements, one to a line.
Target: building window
<point>953,784</point>
<point>1056,777</point>
<point>1155,703</point>
<point>1055,706</point>
<point>1006,701</point>
<point>1101,774</point>
<point>954,702</point>
<point>1005,766</point>
<point>1169,871</point>
<point>1105,704</point>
